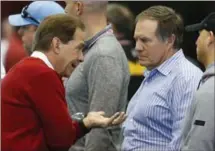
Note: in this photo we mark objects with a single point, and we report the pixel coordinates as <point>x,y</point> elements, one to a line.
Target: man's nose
<point>138,49</point>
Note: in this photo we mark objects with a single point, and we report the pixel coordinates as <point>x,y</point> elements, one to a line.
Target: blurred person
<point>14,52</point>
<point>30,17</point>
<point>122,20</point>
<point>35,116</point>
<point>156,111</point>
<point>28,20</point>
<point>199,124</point>
<point>6,33</point>
<point>101,81</point>
<point>7,29</point>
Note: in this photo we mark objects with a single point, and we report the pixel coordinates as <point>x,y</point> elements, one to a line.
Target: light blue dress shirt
<point>156,111</point>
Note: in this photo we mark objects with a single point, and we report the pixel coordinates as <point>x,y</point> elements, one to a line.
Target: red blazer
<point>34,110</point>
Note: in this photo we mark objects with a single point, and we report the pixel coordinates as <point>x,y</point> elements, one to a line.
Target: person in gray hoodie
<point>199,124</point>
<point>101,81</point>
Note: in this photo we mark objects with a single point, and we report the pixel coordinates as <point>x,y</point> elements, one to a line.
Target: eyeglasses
<point>25,14</point>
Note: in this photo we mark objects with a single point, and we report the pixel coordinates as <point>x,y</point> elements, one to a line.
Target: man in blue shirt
<point>156,111</point>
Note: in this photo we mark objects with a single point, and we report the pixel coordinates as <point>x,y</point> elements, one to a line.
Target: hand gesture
<point>97,119</point>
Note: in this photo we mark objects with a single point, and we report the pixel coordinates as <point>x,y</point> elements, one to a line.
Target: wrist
<point>87,123</point>
<point>83,129</point>
<point>83,124</point>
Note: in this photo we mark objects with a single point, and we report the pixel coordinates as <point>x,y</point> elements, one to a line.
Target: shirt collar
<point>92,40</point>
<point>210,65</point>
<point>43,57</point>
<point>210,69</point>
<point>167,65</point>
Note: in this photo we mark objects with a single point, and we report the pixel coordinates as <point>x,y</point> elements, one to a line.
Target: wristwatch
<point>79,117</point>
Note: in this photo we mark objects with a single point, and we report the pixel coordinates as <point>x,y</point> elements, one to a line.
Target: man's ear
<point>79,8</point>
<point>56,45</point>
<point>211,38</point>
<point>171,41</point>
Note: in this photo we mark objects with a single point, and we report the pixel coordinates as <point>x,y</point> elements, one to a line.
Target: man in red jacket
<point>34,111</point>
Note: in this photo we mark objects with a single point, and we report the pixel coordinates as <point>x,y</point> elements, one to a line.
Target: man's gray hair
<point>169,22</point>
<point>95,6</point>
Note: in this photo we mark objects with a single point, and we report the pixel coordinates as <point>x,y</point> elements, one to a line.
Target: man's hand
<point>97,119</point>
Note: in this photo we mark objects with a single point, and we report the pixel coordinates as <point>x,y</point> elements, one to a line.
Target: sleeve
<point>47,95</point>
<point>104,80</point>
<point>201,134</point>
<point>182,102</point>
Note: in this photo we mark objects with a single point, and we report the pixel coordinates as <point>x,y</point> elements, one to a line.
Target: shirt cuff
<point>81,129</point>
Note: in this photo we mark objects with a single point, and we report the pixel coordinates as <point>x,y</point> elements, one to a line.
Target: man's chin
<point>68,73</point>
<point>199,59</point>
<point>143,63</point>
